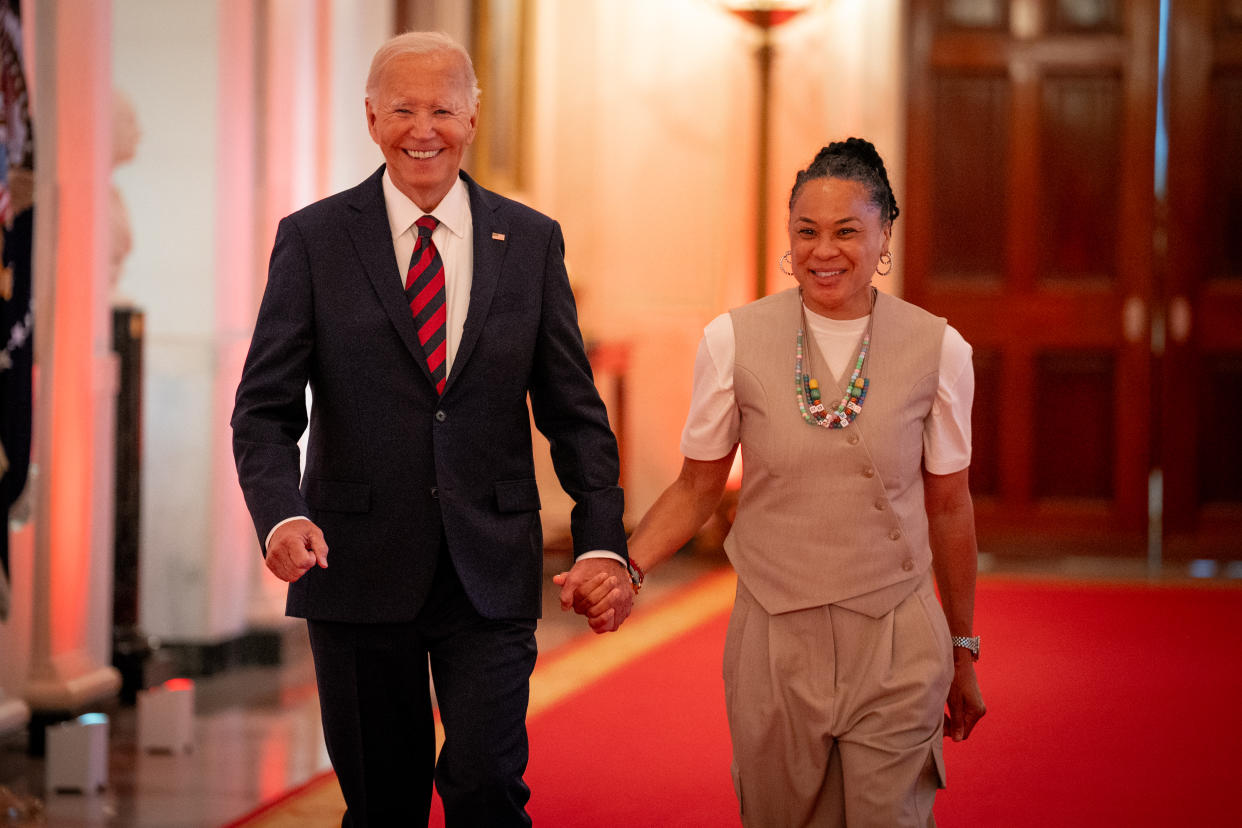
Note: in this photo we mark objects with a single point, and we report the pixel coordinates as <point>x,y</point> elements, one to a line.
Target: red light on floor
<point>734,483</point>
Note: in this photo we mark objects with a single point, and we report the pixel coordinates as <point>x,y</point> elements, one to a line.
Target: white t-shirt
<point>713,423</point>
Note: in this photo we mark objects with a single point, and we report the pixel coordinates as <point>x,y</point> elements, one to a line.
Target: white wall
<point>840,72</point>
<point>358,28</point>
<point>644,140</point>
<point>165,60</point>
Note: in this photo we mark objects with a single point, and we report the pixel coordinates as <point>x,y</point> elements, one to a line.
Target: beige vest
<point>832,516</point>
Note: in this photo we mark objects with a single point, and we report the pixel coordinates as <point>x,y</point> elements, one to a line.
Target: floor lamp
<point>766,15</point>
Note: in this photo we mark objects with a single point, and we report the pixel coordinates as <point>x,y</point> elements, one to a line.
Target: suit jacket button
<point>441,416</point>
<point>868,472</point>
<point>852,439</point>
<point>895,534</point>
<point>435,493</point>
<point>907,564</point>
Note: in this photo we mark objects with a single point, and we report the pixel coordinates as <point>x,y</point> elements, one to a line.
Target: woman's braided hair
<point>854,159</point>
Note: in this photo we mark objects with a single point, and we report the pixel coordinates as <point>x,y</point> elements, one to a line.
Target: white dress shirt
<point>453,238</point>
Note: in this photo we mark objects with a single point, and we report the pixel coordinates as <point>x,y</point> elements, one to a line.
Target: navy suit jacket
<point>392,469</point>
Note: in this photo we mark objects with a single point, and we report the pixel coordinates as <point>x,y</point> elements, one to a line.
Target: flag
<point>16,314</point>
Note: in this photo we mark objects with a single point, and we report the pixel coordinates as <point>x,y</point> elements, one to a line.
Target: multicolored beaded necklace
<point>810,403</point>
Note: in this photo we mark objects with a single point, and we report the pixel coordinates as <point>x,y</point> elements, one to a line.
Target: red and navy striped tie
<point>424,290</point>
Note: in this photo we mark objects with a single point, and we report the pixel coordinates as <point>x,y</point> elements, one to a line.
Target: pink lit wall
<point>641,133</point>
<point>643,138</point>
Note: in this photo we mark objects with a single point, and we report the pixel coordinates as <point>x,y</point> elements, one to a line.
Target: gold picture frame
<point>500,37</point>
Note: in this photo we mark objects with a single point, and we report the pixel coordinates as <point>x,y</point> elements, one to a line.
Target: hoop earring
<point>886,259</point>
<point>781,264</point>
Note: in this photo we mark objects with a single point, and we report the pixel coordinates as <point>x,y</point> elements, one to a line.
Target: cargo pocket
<point>930,780</point>
<point>937,755</point>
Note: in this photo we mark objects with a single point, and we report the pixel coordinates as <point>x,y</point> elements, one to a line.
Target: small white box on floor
<point>166,717</point>
<point>77,754</point>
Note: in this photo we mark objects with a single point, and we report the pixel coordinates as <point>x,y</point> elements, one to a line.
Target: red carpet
<point>647,746</point>
<point>1109,705</point>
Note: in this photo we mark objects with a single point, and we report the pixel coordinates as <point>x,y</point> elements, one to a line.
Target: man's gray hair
<point>420,43</point>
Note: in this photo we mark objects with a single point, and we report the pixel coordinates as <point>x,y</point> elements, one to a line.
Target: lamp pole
<point>763,58</point>
<point>766,16</point>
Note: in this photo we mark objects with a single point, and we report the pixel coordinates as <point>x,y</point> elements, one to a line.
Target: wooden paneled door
<point>1030,223</point>
<point>1200,425</point>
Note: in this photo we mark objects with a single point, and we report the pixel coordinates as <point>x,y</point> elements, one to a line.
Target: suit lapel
<point>372,240</point>
<point>490,231</point>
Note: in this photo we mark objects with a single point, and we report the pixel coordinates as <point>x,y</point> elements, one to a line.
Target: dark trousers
<point>377,713</point>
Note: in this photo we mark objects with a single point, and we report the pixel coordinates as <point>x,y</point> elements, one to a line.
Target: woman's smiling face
<point>836,239</point>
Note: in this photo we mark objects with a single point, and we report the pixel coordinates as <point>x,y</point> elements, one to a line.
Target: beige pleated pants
<point>836,717</point>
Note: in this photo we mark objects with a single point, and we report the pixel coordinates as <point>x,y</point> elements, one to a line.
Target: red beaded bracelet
<point>636,574</point>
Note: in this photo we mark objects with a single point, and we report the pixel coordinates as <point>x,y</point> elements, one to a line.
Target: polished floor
<point>256,734</point>
<point>257,729</point>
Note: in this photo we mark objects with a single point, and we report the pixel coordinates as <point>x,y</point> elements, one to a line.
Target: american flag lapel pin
<point>498,236</point>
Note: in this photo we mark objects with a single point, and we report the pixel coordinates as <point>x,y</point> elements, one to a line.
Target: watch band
<point>967,642</point>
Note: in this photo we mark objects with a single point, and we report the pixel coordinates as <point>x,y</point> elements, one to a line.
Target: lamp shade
<point>766,13</point>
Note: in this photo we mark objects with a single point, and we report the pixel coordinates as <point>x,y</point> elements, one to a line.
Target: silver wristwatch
<point>967,643</point>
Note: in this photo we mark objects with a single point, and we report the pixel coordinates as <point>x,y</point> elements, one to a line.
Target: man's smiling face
<point>422,118</point>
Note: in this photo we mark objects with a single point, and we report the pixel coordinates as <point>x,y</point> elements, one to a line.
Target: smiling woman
<point>841,214</point>
<point>836,237</point>
<point>838,524</point>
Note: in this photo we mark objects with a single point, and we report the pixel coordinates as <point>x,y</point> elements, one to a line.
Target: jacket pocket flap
<point>338,495</point>
<point>517,495</point>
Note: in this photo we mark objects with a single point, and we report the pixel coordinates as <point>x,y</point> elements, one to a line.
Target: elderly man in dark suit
<point>422,310</point>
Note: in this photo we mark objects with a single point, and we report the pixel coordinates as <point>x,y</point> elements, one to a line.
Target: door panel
<point>1079,142</point>
<point>974,143</point>
<point>1201,368</point>
<point>1030,156</point>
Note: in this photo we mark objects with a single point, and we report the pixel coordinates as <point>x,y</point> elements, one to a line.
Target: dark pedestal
<point>130,648</point>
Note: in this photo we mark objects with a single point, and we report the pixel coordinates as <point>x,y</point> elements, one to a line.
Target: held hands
<point>966,706</point>
<point>598,588</point>
<point>295,547</point>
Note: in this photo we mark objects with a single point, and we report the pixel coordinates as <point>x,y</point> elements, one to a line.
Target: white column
<point>77,372</point>
<point>188,68</point>
<point>234,550</point>
<point>289,173</point>
<point>357,30</point>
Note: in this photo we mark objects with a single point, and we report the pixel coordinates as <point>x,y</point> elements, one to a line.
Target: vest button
<point>895,534</point>
<point>435,493</point>
<point>852,439</point>
<point>907,564</point>
<point>880,505</point>
<point>441,416</point>
<point>868,472</point>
